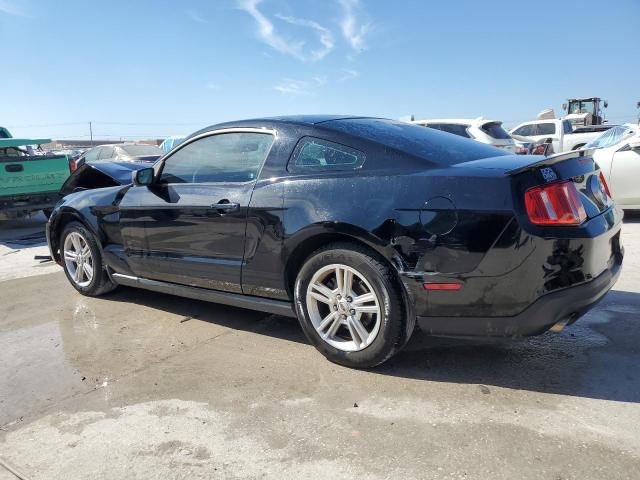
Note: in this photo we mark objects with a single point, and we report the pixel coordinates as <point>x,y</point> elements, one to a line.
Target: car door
<point>625,171</point>
<point>194,214</point>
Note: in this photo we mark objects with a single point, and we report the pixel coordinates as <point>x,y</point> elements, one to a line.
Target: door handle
<point>16,167</point>
<point>226,206</point>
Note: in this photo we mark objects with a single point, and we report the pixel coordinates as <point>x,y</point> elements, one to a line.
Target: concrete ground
<point>143,385</point>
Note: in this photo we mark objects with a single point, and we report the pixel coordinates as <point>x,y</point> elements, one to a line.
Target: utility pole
<point>91,133</point>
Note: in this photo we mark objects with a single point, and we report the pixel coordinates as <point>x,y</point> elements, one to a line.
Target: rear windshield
<point>141,150</point>
<point>427,143</point>
<point>495,130</point>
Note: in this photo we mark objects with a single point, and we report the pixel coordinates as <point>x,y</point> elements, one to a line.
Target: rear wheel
<point>82,261</point>
<point>350,306</point>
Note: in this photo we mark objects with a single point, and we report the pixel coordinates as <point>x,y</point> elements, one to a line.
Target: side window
<point>435,126</point>
<point>91,155</point>
<point>546,128</point>
<point>525,130</point>
<point>105,153</point>
<point>314,154</point>
<point>225,157</point>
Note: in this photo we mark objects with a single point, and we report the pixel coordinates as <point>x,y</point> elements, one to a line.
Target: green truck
<point>29,182</point>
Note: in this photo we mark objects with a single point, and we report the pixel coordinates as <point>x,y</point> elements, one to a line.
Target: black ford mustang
<point>358,226</point>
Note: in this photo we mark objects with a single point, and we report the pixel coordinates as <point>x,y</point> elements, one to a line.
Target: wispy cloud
<point>324,35</point>
<point>349,74</point>
<point>194,15</point>
<point>268,33</point>
<point>353,28</point>
<point>11,8</point>
<point>299,88</point>
<point>213,86</point>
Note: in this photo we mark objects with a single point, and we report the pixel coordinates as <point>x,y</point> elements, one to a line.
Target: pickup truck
<point>558,132</point>
<point>29,183</point>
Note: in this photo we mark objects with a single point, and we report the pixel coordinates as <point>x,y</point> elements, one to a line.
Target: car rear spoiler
<point>552,159</point>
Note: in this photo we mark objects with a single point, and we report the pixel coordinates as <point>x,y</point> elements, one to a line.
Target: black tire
<point>101,283</point>
<point>393,333</point>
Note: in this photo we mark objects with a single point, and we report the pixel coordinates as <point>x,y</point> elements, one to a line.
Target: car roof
<point>305,120</point>
<point>457,121</point>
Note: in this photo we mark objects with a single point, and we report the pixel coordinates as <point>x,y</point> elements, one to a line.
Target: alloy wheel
<point>78,259</point>
<point>343,307</point>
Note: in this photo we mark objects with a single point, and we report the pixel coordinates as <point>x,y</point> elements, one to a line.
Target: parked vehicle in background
<point>582,112</point>
<point>618,154</point>
<point>171,142</point>
<point>29,183</point>
<point>359,227</point>
<point>123,152</point>
<point>557,132</point>
<point>479,129</point>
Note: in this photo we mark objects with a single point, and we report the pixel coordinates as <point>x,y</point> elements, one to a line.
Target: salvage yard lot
<point>143,385</point>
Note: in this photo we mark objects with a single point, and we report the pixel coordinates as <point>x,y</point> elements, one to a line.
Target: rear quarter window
<point>427,143</point>
<point>314,154</point>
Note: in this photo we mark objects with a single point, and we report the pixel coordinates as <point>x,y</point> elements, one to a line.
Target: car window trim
<point>159,166</point>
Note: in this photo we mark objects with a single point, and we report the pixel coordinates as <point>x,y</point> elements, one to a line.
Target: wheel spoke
<point>326,321</point>
<point>347,284</point>
<point>333,329</point>
<point>86,250</point>
<point>78,275</point>
<point>366,308</point>
<point>323,293</point>
<point>321,298</point>
<point>72,256</point>
<point>88,271</point>
<point>77,246</point>
<point>364,298</point>
<point>339,280</point>
<point>358,333</point>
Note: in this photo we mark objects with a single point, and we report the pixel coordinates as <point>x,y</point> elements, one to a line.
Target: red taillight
<point>604,184</point>
<point>442,286</point>
<point>72,165</point>
<point>555,204</point>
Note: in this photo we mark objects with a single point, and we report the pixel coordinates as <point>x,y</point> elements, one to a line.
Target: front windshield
<point>582,107</point>
<point>611,137</point>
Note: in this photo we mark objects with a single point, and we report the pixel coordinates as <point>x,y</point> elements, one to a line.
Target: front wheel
<point>82,261</point>
<point>350,306</point>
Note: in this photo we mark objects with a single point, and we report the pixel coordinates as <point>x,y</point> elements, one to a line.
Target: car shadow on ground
<point>595,358</point>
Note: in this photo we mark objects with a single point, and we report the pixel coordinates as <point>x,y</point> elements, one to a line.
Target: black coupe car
<point>359,227</point>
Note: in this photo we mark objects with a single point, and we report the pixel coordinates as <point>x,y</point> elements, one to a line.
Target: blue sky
<point>158,67</point>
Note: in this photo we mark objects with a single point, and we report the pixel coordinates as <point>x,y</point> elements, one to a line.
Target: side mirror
<point>143,176</point>
<point>564,106</point>
<point>606,104</point>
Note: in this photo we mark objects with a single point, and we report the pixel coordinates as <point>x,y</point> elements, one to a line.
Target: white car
<point>480,129</point>
<point>557,132</point>
<point>618,154</point>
